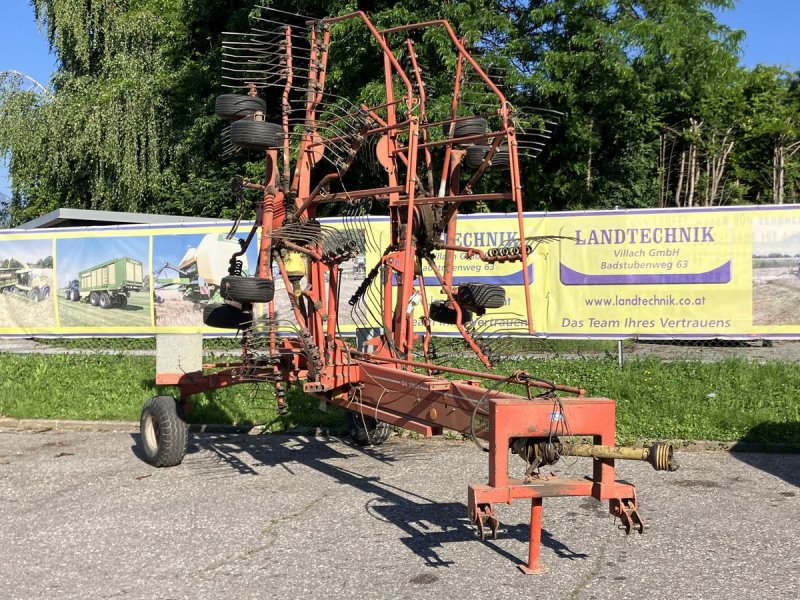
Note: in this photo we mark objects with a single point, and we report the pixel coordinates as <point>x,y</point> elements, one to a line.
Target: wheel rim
<point>151,433</point>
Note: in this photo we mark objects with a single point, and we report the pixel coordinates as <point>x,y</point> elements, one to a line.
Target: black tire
<point>481,295</point>
<point>247,289</point>
<point>122,301</point>
<point>256,135</point>
<point>441,313</point>
<point>163,432</point>
<point>76,296</point>
<point>44,293</point>
<point>94,298</point>
<point>367,431</point>
<point>473,126</point>
<point>225,316</point>
<point>33,294</point>
<point>476,154</point>
<point>233,107</point>
<point>105,300</point>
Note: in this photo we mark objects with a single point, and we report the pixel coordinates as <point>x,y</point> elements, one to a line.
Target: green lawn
<point>83,314</point>
<point>725,400</point>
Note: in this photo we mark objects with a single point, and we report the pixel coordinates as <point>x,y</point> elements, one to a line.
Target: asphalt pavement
<point>267,516</point>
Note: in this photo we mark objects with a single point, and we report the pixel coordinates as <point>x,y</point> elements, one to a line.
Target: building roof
<point>75,217</point>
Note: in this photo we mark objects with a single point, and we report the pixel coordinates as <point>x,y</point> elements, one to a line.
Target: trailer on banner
<point>108,284</point>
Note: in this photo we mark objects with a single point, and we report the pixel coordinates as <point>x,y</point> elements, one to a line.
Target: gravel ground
<point>81,516</point>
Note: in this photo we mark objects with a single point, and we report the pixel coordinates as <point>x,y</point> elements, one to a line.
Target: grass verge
<point>726,400</point>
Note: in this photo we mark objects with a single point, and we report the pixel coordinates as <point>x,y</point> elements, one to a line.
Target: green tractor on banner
<point>108,284</point>
<point>22,281</point>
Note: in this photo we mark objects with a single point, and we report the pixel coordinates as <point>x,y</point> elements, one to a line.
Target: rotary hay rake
<point>429,168</point>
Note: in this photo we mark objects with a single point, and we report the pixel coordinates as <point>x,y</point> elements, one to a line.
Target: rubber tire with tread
<point>233,107</point>
<point>256,135</point>
<point>481,295</point>
<point>473,126</point>
<point>225,316</point>
<point>476,154</point>
<point>374,434</point>
<point>94,298</point>
<point>247,289</point>
<point>44,293</point>
<point>164,433</point>
<point>441,313</point>
<point>105,300</point>
<point>122,301</point>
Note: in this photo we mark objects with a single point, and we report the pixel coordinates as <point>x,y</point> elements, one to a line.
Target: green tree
<point>767,168</point>
<point>130,125</point>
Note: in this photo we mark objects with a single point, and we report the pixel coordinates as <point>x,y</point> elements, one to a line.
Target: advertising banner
<point>731,272</point>
<point>650,273</point>
<point>678,273</point>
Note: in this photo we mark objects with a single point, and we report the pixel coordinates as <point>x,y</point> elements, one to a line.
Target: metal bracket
<point>628,512</point>
<point>482,516</point>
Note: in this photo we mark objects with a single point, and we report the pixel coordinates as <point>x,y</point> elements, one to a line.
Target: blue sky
<point>28,251</point>
<point>771,27</point>
<point>172,248</point>
<point>73,255</point>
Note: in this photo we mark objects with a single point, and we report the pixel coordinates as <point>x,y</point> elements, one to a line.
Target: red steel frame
<point>384,382</point>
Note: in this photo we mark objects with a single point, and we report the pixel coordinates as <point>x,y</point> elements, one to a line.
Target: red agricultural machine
<point>428,169</point>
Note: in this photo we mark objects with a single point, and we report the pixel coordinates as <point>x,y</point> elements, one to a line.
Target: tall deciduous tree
<point>655,108</point>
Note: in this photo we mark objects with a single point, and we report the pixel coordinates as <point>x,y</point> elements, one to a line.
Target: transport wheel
<point>122,301</point>
<point>34,294</point>
<point>476,154</point>
<point>225,316</point>
<point>44,293</point>
<point>247,289</point>
<point>481,295</point>
<point>163,431</point>
<point>256,135</point>
<point>94,298</point>
<point>473,126</point>
<point>441,313</point>
<point>233,107</point>
<point>105,300</point>
<point>75,296</point>
<point>367,431</point>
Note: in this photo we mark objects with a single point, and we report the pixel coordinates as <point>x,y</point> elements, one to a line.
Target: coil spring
<point>362,289</point>
<point>504,251</point>
<point>236,268</point>
<point>290,204</point>
<point>312,353</point>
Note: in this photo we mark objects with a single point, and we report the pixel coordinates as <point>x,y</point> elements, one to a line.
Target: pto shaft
<point>660,454</point>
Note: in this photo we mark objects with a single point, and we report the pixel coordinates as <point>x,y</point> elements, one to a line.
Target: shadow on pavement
<point>428,524</point>
<point>763,435</point>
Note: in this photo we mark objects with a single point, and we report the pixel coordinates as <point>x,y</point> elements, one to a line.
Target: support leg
<point>535,544</point>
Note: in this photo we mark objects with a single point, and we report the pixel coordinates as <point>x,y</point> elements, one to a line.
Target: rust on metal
<point>397,377</point>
